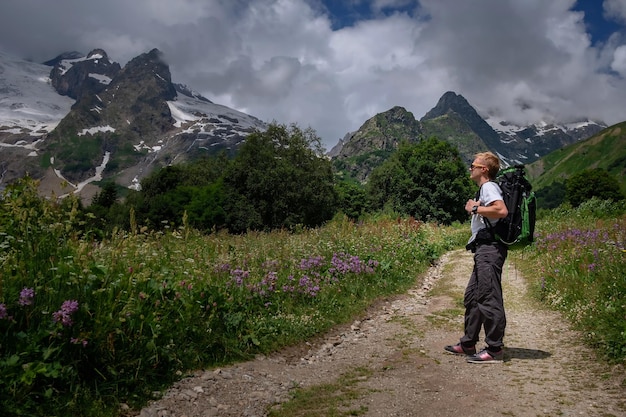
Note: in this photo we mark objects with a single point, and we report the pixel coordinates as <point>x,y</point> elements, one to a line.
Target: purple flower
<point>238,276</point>
<point>3,312</point>
<point>64,315</point>
<point>26,296</point>
<point>311,263</point>
<point>76,341</point>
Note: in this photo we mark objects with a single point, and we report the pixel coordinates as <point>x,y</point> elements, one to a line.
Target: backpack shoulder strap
<point>487,221</point>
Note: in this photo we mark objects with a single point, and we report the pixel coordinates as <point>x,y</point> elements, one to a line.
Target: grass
<point>333,399</point>
<point>578,266</point>
<point>87,325</point>
<point>604,150</point>
<point>446,319</point>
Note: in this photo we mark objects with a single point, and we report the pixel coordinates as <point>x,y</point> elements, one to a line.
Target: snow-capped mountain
<point>83,118</point>
<point>86,118</point>
<point>514,144</point>
<point>453,119</point>
<point>533,141</point>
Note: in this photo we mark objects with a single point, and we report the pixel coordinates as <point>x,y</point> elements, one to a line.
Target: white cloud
<point>615,9</point>
<point>619,60</point>
<point>283,60</point>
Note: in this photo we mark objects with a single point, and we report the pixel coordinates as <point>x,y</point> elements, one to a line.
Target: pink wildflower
<point>26,296</point>
<point>64,315</point>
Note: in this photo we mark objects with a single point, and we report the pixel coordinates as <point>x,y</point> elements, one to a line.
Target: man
<point>484,305</point>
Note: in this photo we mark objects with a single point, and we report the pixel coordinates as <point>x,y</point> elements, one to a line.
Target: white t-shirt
<point>489,192</point>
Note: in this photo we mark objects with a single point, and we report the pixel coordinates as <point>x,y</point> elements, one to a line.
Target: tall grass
<point>87,325</point>
<point>578,266</point>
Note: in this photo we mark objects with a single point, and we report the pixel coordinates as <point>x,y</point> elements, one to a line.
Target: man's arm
<point>495,210</point>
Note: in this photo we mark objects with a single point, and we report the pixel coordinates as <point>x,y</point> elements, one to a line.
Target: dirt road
<point>403,371</point>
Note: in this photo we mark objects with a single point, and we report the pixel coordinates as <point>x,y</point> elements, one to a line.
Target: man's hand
<point>471,203</point>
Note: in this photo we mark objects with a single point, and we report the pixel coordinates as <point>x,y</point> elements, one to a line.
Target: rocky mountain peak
<point>453,119</point>
<point>123,123</point>
<point>78,76</point>
<point>130,108</point>
<point>383,131</point>
<point>451,102</point>
<point>376,139</point>
<point>148,76</point>
<point>395,115</point>
<point>148,63</point>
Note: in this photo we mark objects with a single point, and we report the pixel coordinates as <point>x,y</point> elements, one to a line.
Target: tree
<point>589,183</point>
<point>279,178</point>
<point>107,196</point>
<point>205,210</point>
<point>427,180</point>
<point>195,188</point>
<point>551,196</point>
<point>99,217</point>
<point>352,199</point>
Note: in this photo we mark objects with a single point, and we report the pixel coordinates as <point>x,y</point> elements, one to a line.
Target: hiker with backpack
<point>484,305</point>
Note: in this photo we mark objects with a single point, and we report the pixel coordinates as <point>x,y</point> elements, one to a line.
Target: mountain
<point>79,119</point>
<point>606,149</point>
<point>453,119</point>
<point>368,147</point>
<point>85,119</point>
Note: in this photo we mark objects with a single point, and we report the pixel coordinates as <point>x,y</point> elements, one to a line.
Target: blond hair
<point>491,161</point>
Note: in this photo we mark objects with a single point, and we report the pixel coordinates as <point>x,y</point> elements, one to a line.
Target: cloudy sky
<point>331,65</point>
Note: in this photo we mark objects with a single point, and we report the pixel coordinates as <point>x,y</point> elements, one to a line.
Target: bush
<point>592,183</point>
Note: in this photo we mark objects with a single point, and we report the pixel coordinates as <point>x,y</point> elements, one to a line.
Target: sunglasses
<point>476,166</point>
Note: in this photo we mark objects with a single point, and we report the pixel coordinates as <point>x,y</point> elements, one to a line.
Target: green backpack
<point>518,227</point>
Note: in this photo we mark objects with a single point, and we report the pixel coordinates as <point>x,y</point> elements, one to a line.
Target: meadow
<point>88,324</point>
<point>577,265</point>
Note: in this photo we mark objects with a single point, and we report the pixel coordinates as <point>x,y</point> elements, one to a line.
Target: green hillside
<point>606,149</point>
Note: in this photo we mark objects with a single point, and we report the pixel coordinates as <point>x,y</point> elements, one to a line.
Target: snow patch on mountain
<point>94,130</point>
<point>29,105</point>
<point>193,109</point>
<point>102,79</point>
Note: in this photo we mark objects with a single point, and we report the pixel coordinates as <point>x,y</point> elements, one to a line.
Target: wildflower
<point>64,315</point>
<point>3,312</point>
<point>26,296</point>
<point>222,267</point>
<point>238,276</point>
<point>76,341</point>
<point>311,263</point>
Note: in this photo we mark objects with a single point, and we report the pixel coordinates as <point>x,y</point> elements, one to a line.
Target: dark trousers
<point>484,305</point>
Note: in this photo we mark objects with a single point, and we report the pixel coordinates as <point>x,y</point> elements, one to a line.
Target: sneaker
<point>459,349</point>
<point>486,356</point>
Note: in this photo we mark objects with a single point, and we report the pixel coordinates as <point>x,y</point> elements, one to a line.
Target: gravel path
<point>547,371</point>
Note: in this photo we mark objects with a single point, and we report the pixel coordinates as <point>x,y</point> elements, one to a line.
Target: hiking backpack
<point>518,227</point>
